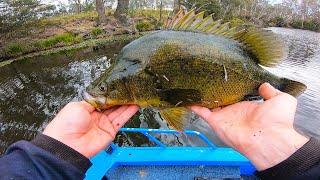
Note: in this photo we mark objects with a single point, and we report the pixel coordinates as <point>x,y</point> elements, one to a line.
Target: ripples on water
<point>32,92</point>
<point>303,64</point>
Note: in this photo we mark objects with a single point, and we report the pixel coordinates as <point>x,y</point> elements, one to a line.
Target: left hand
<point>85,130</point>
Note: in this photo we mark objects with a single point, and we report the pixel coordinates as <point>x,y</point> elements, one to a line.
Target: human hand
<point>263,132</point>
<point>85,130</point>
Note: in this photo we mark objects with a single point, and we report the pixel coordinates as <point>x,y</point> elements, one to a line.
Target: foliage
<point>14,48</point>
<point>15,13</point>
<point>235,21</point>
<point>209,6</point>
<point>144,25</point>
<point>65,39</point>
<point>312,25</point>
<point>83,46</point>
<point>96,31</point>
<point>67,18</point>
<point>23,47</point>
<point>304,14</point>
<point>278,21</point>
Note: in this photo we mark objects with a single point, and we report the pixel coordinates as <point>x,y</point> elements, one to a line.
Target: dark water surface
<point>33,91</point>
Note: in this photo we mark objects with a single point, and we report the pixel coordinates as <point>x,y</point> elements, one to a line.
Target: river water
<point>33,91</point>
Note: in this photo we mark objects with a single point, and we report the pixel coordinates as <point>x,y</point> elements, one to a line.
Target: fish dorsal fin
<point>263,45</point>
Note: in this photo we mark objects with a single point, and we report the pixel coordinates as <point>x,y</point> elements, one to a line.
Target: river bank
<point>71,31</point>
<point>76,49</point>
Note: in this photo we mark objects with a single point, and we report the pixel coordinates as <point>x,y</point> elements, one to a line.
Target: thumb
<point>267,91</point>
<point>203,112</point>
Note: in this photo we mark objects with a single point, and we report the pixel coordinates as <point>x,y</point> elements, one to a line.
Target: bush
<point>144,26</point>
<point>14,48</point>
<point>96,31</point>
<point>66,38</point>
<point>278,22</point>
<point>235,21</point>
<point>312,25</point>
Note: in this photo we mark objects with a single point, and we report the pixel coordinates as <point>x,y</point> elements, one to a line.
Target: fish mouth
<point>98,102</point>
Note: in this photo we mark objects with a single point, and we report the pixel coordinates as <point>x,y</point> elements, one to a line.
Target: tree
<point>122,7</point>
<point>101,11</point>
<point>20,12</point>
<point>88,5</point>
<point>176,6</point>
<point>121,12</point>
<point>75,6</point>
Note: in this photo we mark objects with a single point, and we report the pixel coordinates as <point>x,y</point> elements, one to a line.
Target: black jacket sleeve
<point>301,165</point>
<point>42,158</point>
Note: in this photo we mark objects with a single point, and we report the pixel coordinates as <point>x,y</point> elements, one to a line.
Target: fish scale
<point>186,64</point>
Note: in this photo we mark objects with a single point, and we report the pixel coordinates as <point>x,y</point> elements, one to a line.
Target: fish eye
<point>101,88</point>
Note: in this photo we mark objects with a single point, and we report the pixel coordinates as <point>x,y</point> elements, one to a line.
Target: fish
<point>193,60</point>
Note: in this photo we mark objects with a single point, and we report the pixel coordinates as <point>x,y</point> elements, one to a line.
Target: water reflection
<point>303,64</point>
<point>32,92</point>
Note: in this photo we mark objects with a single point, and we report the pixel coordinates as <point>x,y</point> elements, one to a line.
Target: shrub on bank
<point>312,25</point>
<point>14,48</point>
<point>144,25</point>
<point>278,22</point>
<point>96,31</point>
<point>235,21</point>
<point>20,48</point>
<point>63,39</point>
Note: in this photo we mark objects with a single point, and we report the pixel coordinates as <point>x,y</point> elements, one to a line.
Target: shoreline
<point>87,46</point>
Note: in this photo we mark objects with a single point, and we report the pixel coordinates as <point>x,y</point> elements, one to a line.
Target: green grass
<point>144,26</point>
<point>23,47</point>
<point>30,43</point>
<point>14,48</point>
<point>67,18</point>
<point>236,22</point>
<point>75,48</point>
<point>62,39</point>
<point>155,14</point>
<point>96,31</point>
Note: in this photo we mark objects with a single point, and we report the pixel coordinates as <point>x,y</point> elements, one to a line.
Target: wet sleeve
<point>303,164</point>
<point>42,158</point>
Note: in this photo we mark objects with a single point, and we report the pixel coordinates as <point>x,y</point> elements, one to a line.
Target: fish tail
<point>291,87</point>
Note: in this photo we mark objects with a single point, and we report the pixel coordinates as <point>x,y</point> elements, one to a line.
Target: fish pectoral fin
<point>176,117</point>
<point>252,98</point>
<point>180,97</point>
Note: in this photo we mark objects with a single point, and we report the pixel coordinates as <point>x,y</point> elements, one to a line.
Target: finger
<point>207,115</point>
<point>267,91</point>
<point>119,121</point>
<point>117,112</point>
<point>108,111</point>
<point>87,106</point>
<point>216,109</point>
<point>203,112</point>
<point>106,125</point>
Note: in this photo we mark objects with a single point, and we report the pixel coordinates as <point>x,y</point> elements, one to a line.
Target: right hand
<point>79,126</point>
<point>263,132</point>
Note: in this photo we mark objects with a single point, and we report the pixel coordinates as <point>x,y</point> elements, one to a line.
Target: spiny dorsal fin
<point>184,19</point>
<point>171,22</point>
<point>265,47</point>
